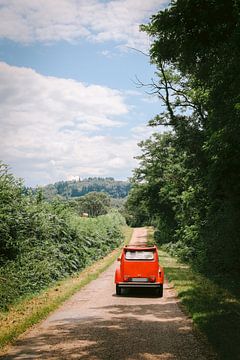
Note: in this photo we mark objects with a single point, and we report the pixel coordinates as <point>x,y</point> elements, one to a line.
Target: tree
<point>94,203</point>
<point>11,213</point>
<point>196,48</point>
<point>73,189</point>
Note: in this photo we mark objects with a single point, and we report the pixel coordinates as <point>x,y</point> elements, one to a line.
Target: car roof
<point>139,248</point>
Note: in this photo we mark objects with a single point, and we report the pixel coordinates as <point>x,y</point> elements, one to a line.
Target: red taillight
<point>152,278</point>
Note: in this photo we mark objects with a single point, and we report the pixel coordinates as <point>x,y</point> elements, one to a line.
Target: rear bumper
<point>139,285</point>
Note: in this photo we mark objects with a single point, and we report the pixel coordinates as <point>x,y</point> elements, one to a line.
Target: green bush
<point>41,242</point>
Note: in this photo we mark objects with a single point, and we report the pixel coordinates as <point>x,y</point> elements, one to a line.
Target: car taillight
<point>126,278</point>
<point>152,278</point>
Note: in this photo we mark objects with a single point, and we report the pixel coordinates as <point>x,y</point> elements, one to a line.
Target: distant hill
<point>77,188</point>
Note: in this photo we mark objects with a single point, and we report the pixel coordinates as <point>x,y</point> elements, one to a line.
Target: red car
<point>139,268</point>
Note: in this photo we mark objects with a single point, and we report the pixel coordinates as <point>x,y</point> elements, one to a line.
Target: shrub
<point>44,242</point>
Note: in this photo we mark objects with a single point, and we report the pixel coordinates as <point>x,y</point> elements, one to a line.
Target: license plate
<point>140,279</point>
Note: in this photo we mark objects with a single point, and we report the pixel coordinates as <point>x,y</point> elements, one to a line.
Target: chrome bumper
<point>138,284</point>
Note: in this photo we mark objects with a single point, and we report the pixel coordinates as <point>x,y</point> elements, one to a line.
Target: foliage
<point>77,188</point>
<point>136,210</point>
<point>35,308</point>
<point>94,204</point>
<point>188,180</point>
<point>118,203</point>
<point>43,242</point>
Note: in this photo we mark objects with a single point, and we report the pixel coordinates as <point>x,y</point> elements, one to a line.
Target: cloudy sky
<point>69,103</point>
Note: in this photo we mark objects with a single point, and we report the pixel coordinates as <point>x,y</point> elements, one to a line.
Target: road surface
<point>98,325</point>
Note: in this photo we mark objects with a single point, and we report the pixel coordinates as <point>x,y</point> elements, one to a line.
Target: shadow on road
<point>151,331</point>
<point>139,293</point>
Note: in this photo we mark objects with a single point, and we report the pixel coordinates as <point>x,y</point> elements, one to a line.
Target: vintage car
<point>139,268</point>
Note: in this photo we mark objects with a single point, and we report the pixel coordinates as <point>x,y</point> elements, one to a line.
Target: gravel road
<point>98,325</point>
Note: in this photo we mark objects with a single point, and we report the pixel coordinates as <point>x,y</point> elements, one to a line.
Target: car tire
<point>159,291</point>
<point>118,290</point>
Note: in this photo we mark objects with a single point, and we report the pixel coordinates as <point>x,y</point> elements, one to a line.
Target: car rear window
<point>139,255</point>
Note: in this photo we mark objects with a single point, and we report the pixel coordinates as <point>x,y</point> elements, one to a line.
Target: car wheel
<point>159,291</point>
<point>118,290</point>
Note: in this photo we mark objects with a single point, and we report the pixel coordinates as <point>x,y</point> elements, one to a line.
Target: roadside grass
<point>150,236</point>
<point>35,308</point>
<point>127,231</point>
<point>214,310</point>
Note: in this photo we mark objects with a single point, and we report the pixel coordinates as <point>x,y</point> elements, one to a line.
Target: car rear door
<point>140,268</point>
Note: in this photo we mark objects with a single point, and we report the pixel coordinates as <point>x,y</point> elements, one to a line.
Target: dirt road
<point>98,325</point>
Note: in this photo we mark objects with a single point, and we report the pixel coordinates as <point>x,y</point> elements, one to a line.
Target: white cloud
<point>94,20</point>
<point>143,132</point>
<point>132,93</point>
<point>150,99</point>
<point>51,127</point>
<point>72,177</point>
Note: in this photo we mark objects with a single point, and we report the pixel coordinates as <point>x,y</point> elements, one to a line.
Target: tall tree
<point>196,48</point>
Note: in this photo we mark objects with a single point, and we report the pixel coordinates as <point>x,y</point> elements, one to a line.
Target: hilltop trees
<point>77,188</point>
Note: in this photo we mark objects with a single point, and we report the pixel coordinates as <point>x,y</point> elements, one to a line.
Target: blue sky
<point>69,104</point>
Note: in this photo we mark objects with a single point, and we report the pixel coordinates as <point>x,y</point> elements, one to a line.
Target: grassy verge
<point>150,236</point>
<point>33,309</point>
<point>127,231</point>
<point>214,310</point>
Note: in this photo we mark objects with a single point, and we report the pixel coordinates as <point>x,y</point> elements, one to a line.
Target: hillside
<point>77,188</point>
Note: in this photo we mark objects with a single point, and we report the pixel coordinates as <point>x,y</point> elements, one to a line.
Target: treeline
<point>42,242</point>
<point>188,181</point>
<point>93,204</point>
<point>77,188</point>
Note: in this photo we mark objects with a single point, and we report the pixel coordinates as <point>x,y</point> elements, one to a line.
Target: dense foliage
<point>76,188</point>
<point>42,242</point>
<point>93,204</point>
<point>188,182</point>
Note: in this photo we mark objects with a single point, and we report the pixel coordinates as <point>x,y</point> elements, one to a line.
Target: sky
<point>70,105</point>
